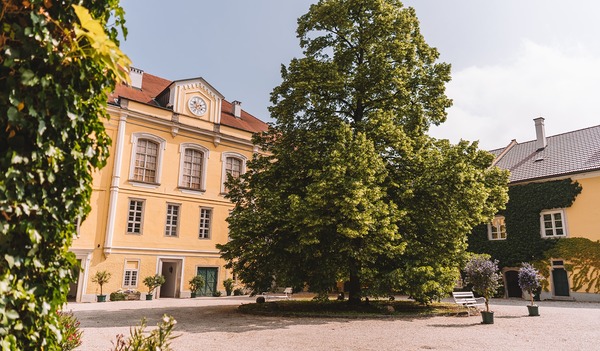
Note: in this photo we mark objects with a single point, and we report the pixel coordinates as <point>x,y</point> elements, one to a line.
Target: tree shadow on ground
<point>206,319</point>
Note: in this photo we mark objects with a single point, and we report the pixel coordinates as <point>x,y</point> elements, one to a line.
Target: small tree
<point>153,282</point>
<point>196,283</point>
<point>228,285</point>
<point>529,279</point>
<point>101,278</point>
<point>483,274</point>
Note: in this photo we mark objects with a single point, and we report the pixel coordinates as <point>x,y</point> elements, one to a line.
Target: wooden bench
<point>285,294</point>
<point>468,300</point>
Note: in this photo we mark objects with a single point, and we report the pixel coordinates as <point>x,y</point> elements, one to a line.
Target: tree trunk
<point>354,290</point>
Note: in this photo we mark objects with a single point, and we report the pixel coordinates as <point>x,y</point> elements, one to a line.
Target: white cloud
<point>495,104</point>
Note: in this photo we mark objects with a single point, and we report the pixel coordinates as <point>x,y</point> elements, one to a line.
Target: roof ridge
<point>563,133</point>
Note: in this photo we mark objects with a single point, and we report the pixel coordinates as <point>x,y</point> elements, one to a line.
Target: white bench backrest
<point>463,295</point>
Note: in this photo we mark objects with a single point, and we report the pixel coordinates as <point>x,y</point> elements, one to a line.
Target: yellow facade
<point>108,238</point>
<point>583,217</point>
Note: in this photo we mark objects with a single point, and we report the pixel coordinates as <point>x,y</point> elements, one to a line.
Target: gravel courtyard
<point>214,324</point>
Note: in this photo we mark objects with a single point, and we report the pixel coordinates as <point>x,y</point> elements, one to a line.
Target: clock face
<point>197,106</point>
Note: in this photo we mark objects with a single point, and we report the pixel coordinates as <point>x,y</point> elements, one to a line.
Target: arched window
<point>234,164</point>
<point>146,158</point>
<point>193,167</point>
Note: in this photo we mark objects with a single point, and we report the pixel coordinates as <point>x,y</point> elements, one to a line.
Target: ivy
<point>522,216</point>
<point>583,262</point>
<point>53,93</point>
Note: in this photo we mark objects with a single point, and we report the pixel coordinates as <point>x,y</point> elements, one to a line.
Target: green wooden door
<point>561,282</point>
<point>210,278</point>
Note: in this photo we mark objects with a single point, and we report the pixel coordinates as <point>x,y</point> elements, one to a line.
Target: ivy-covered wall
<point>522,216</point>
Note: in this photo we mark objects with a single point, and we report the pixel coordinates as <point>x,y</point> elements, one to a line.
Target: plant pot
<point>101,298</point>
<point>193,295</point>
<point>487,317</point>
<point>148,296</point>
<point>533,310</point>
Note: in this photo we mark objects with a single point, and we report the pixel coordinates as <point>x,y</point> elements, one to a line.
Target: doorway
<point>512,284</point>
<point>74,285</point>
<point>171,270</point>
<point>560,281</point>
<point>210,275</point>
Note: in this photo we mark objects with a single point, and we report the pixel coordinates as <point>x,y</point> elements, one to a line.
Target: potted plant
<point>101,278</point>
<point>530,281</point>
<point>153,282</point>
<point>228,285</point>
<point>196,283</point>
<point>482,273</point>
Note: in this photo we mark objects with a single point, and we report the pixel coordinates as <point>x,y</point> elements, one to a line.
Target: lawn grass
<point>377,308</point>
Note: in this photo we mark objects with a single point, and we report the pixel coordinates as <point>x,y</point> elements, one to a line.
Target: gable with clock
<point>193,97</point>
<point>197,105</point>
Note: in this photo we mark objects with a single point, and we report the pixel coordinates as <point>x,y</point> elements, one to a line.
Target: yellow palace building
<point>158,207</point>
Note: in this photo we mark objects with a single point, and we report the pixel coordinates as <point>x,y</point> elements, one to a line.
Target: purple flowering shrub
<point>484,275</point>
<point>529,279</point>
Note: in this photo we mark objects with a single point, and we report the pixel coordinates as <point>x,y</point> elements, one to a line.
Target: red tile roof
<point>153,85</point>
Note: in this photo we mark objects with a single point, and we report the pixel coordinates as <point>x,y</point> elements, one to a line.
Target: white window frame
<point>205,157</point>
<point>498,228</point>
<point>554,228</point>
<point>136,271</point>
<point>141,219</point>
<point>224,158</point>
<point>204,230</point>
<point>162,144</point>
<point>169,218</point>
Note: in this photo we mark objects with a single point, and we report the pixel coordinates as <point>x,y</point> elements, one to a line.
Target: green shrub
<point>238,292</point>
<point>59,62</point>
<point>216,293</point>
<point>117,296</point>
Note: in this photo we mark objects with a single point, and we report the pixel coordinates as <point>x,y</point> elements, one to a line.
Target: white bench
<point>468,300</point>
<point>285,294</point>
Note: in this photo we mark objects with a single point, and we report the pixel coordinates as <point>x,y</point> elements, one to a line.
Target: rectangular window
<point>553,224</point>
<point>205,219</point>
<point>146,161</point>
<point>130,276</point>
<point>172,220</point>
<point>192,169</point>
<point>497,229</point>
<point>134,218</point>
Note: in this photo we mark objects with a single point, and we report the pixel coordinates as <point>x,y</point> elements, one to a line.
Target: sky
<point>512,60</point>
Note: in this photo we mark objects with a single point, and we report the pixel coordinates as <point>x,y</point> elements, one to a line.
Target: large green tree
<point>352,187</point>
<point>57,64</point>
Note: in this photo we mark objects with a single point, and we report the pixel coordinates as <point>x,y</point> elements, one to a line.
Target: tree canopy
<point>351,187</point>
<point>57,64</point>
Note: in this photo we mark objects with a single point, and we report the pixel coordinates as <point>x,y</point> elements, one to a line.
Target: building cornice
<point>174,126</point>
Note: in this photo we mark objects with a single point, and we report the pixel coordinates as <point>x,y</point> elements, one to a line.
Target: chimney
<point>236,109</point>
<point>136,75</point>
<point>540,133</point>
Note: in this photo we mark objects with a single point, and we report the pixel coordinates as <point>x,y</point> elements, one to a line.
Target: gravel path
<point>214,324</point>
